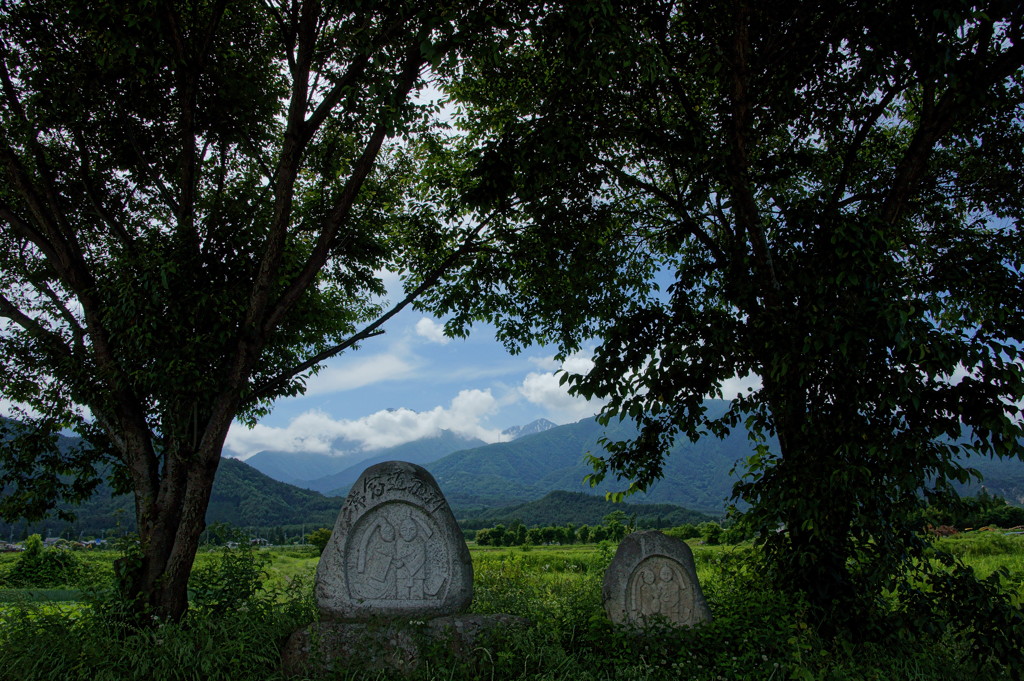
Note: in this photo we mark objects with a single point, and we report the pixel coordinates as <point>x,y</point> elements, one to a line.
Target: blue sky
<point>412,382</point>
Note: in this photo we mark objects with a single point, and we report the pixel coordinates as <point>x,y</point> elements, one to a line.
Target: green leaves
<point>805,199</point>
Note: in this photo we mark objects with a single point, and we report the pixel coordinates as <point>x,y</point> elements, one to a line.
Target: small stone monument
<point>391,581</point>
<point>396,550</point>
<point>652,579</point>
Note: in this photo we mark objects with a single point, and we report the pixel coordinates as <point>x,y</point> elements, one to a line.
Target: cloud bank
<point>543,389</point>
<point>316,431</point>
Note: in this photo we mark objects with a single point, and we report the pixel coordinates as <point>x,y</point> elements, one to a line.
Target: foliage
<point>197,201</point>
<point>229,583</point>
<point>220,533</point>
<point>758,632</point>
<point>821,199</point>
<point>319,538</point>
<point>970,512</point>
<point>40,567</point>
<point>615,526</point>
<point>86,644</point>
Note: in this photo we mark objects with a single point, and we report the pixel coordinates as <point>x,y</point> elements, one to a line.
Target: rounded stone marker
<point>396,550</point>
<point>653,578</point>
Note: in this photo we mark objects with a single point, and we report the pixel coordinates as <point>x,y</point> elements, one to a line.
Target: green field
<point>76,631</point>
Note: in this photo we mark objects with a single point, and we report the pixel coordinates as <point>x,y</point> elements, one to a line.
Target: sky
<point>412,382</point>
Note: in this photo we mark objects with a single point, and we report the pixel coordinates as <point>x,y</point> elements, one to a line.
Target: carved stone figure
<point>395,551</point>
<point>652,579</point>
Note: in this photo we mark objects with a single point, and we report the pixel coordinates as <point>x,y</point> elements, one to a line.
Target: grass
<point>757,633</point>
<point>40,595</point>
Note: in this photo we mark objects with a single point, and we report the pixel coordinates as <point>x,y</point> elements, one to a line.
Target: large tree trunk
<point>170,524</point>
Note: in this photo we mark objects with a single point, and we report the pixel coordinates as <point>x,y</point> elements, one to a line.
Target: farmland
<point>244,602</point>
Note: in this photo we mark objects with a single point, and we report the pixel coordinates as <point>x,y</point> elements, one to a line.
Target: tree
<point>319,538</point>
<point>710,533</point>
<point>534,536</point>
<point>583,534</point>
<point>615,523</point>
<point>197,198</point>
<point>483,537</point>
<point>824,198</point>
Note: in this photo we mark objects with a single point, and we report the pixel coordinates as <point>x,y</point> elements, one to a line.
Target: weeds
<point>237,628</point>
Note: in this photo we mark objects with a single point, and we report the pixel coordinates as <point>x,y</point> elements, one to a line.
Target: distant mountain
<point>292,466</point>
<point>697,476</point>
<point>245,497</point>
<point>241,496</point>
<point>531,428</point>
<point>508,474</point>
<point>420,452</point>
<point>559,508</point>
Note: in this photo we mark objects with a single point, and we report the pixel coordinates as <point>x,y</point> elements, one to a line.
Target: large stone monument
<point>392,580</point>
<point>653,580</point>
<point>396,550</point>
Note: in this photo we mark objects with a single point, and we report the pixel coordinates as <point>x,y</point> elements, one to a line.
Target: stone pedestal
<point>402,646</point>
<point>392,581</point>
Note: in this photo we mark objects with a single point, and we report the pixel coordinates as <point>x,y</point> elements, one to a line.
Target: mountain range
<point>328,473</point>
<point>560,508</point>
<point>698,476</point>
<point>483,483</point>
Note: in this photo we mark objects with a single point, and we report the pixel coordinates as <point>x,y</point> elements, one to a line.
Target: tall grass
<point>757,633</point>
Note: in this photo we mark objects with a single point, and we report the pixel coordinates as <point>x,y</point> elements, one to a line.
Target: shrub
<point>228,583</point>
<point>39,567</point>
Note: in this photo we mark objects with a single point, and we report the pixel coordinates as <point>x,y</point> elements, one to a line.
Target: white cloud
<point>358,371</point>
<point>545,390</point>
<point>315,431</point>
<point>432,330</point>
<point>737,385</point>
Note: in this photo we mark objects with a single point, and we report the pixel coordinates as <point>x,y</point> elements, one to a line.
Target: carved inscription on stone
<point>395,550</point>
<point>392,556</point>
<point>653,579</point>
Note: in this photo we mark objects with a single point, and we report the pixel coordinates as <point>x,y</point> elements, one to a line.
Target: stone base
<point>401,646</point>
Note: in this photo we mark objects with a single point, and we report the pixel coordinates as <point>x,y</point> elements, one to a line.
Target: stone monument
<point>396,550</point>
<point>392,580</point>
<point>652,579</point>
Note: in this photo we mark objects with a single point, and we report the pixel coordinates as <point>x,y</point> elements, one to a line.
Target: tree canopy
<point>822,197</point>
<point>198,199</point>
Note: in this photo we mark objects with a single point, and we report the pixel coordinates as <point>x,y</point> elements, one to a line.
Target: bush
<point>43,568</point>
<point>38,642</point>
<point>710,533</point>
<point>229,583</point>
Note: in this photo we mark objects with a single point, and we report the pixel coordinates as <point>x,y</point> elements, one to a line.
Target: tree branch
<point>691,225</point>
<point>115,226</point>
<point>361,170</point>
<point>267,389</point>
<point>52,340</point>
<point>968,85</point>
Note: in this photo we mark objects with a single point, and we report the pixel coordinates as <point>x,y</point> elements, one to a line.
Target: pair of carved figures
<point>658,589</point>
<point>391,559</point>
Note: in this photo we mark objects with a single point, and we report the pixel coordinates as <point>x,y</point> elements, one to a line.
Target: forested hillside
<point>697,475</point>
<point>242,496</point>
<point>559,508</point>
